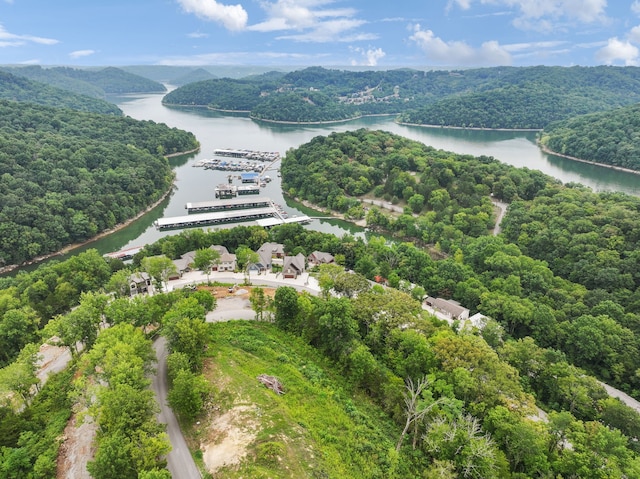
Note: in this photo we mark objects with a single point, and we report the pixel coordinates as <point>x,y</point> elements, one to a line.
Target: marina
<point>225,165</point>
<point>223,191</point>
<point>263,211</point>
<point>248,154</point>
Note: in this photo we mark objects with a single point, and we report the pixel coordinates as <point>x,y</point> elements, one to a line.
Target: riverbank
<point>334,214</point>
<point>71,247</point>
<point>103,234</point>
<point>283,122</point>
<point>604,165</point>
<point>474,128</point>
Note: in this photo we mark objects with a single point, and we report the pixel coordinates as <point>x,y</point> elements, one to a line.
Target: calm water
<point>215,130</point>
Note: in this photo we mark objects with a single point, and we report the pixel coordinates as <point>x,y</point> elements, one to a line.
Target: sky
<point>299,33</point>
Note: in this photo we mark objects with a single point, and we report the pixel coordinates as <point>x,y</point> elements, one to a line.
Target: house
<point>293,266</point>
<point>139,283</point>
<point>226,262</point>
<point>450,309</point>
<point>269,254</point>
<point>320,257</point>
<point>183,264</point>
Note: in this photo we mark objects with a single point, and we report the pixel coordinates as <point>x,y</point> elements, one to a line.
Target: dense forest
<point>375,387</point>
<point>571,249</point>
<point>512,107</point>
<point>67,175</point>
<point>92,82</point>
<point>220,94</point>
<point>499,97</point>
<point>21,89</point>
<point>611,137</point>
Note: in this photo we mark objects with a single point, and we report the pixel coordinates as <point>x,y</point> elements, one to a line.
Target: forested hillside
<point>499,97</point>
<point>67,175</point>
<point>21,89</point>
<point>97,83</point>
<point>566,268</point>
<point>513,107</point>
<point>374,386</point>
<point>611,138</point>
<point>222,94</point>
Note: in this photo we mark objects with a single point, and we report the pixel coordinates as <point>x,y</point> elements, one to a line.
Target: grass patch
<point>319,428</point>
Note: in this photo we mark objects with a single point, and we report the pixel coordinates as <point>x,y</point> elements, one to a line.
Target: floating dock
<point>275,221</point>
<point>261,210</point>
<point>124,254</point>
<point>223,191</point>
<point>214,218</point>
<point>228,205</point>
<point>248,154</point>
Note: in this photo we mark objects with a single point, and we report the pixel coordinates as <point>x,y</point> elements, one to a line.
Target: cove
<point>236,131</point>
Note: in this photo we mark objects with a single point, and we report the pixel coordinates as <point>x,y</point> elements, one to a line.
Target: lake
<point>218,130</point>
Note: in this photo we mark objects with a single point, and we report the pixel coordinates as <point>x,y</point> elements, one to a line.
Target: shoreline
<point>588,162</point>
<point>475,128</point>
<point>326,122</point>
<point>66,249</point>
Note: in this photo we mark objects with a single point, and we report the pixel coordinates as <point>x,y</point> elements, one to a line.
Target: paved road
<point>503,209</point>
<point>625,398</point>
<point>179,461</point>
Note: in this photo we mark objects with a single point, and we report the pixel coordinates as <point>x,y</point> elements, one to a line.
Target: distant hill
<point>18,88</point>
<point>610,137</point>
<point>96,83</point>
<point>58,79</point>
<point>193,76</point>
<point>113,80</point>
<point>532,97</point>
<point>498,97</point>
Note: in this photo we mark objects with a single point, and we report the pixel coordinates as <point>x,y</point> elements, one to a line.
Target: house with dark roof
<point>293,266</point>
<point>139,283</point>
<point>320,257</point>
<point>183,264</point>
<point>269,254</point>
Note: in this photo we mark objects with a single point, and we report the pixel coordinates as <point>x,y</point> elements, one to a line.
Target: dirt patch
<point>229,438</point>
<point>238,291</point>
<point>76,449</point>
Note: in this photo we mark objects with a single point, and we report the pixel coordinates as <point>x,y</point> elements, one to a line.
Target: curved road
<point>179,461</point>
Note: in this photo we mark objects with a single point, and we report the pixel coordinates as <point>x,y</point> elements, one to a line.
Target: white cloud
<point>541,15</point>
<point>11,40</point>
<point>232,17</point>
<point>618,50</point>
<point>635,7</point>
<point>370,56</point>
<point>81,53</point>
<point>332,31</point>
<point>313,21</point>
<point>634,34</point>
<point>198,35</point>
<point>518,47</point>
<point>459,53</point>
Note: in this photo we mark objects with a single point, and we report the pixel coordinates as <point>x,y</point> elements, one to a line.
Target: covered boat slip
<point>213,218</point>
<point>227,205</point>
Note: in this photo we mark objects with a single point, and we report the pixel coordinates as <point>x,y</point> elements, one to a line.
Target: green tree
<point>188,394</point>
<point>285,302</point>
<point>160,268</point>
<point>205,259</point>
<point>258,302</point>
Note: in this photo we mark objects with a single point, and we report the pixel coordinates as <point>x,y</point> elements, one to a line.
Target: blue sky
<point>377,33</point>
